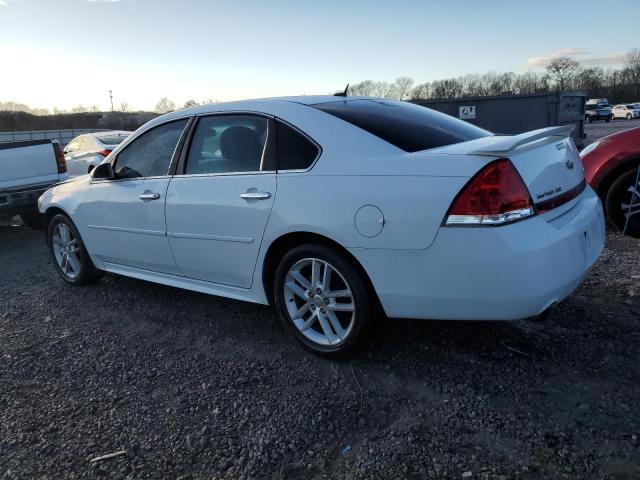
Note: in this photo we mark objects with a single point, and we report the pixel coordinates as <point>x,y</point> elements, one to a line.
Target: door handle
<point>149,196</point>
<point>255,195</point>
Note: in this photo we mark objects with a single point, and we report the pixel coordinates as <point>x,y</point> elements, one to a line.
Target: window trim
<point>123,146</point>
<point>305,135</point>
<point>269,146</point>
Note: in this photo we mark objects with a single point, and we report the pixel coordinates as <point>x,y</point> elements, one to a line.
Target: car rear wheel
<point>623,203</point>
<point>68,253</point>
<point>323,301</point>
<point>628,116</point>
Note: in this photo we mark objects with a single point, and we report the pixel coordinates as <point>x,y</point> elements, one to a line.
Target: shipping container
<point>511,114</point>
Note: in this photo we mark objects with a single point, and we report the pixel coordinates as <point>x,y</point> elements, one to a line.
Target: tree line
<point>561,74</point>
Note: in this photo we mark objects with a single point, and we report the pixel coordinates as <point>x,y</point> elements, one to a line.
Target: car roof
<point>251,103</point>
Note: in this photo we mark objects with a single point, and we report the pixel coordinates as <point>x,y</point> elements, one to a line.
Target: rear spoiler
<point>508,143</point>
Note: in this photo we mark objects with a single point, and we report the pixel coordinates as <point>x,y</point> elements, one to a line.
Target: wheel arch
<point>611,174</point>
<point>290,240</point>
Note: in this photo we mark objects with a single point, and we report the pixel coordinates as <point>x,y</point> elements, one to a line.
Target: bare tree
<point>79,109</point>
<point>165,105</point>
<point>422,91</point>
<point>190,103</point>
<point>124,106</point>
<point>403,86</point>
<point>562,70</point>
<point>632,68</point>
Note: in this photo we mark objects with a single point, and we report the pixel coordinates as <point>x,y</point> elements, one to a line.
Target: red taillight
<point>104,153</point>
<point>62,165</point>
<point>495,196</point>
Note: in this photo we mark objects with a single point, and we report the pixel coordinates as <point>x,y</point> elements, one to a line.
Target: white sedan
<point>335,209</point>
<point>85,152</point>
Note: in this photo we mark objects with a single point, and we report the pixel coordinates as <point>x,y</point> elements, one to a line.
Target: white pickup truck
<point>27,169</point>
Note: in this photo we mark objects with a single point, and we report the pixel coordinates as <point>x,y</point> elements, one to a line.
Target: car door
<point>124,217</point>
<point>72,153</point>
<point>219,201</point>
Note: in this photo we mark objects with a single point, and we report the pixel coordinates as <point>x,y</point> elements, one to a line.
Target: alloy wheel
<point>319,301</point>
<point>630,204</point>
<point>66,250</point>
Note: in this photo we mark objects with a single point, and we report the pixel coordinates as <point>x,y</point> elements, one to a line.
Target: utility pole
<point>111,97</point>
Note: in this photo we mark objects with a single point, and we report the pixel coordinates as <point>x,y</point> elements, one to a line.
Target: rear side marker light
<point>61,163</point>
<point>494,196</point>
<point>104,153</point>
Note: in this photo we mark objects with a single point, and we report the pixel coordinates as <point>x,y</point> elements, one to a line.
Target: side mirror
<point>104,171</point>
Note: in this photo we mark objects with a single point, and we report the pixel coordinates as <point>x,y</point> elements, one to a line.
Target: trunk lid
<point>546,159</point>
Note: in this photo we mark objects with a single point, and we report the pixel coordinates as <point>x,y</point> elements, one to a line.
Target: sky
<point>62,53</point>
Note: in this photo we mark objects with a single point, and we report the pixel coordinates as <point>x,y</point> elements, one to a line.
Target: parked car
<point>333,207</point>
<point>627,111</point>
<point>611,168</point>
<point>85,152</point>
<point>597,112</point>
<point>27,169</point>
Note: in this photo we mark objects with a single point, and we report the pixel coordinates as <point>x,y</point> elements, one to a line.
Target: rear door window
<point>408,126</point>
<point>228,144</point>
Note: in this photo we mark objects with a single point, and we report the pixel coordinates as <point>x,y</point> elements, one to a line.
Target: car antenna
<point>342,94</point>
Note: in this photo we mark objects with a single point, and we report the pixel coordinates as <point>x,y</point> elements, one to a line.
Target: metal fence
<point>62,136</point>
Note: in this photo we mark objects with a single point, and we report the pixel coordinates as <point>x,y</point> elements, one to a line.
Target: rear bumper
<point>502,273</point>
<point>13,200</point>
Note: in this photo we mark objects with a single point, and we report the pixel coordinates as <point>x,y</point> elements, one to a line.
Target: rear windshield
<point>112,139</point>
<point>405,125</point>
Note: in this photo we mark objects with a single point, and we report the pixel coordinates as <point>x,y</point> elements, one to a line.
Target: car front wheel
<point>68,253</point>
<point>622,203</point>
<point>323,301</point>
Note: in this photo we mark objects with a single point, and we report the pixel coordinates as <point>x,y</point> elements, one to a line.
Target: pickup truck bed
<point>27,169</point>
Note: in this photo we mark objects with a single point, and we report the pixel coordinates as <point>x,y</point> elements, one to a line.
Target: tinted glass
<point>294,150</point>
<point>405,125</point>
<point>227,144</point>
<point>150,154</point>
<point>112,139</point>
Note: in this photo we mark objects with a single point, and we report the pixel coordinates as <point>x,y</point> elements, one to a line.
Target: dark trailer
<point>511,114</point>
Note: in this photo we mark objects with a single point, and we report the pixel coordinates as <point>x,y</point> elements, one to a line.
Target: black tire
<point>363,322</point>
<point>32,218</point>
<point>587,119</point>
<point>628,116</point>
<point>608,119</point>
<point>619,195</point>
<point>88,273</point>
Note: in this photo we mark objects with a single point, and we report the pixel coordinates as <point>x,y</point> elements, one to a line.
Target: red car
<point>611,167</point>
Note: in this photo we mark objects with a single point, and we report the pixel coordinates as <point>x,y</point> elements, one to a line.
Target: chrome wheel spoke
<point>327,330</point>
<point>341,307</point>
<point>74,262</point>
<point>309,322</point>
<point>297,290</point>
<point>338,293</point>
<point>335,324</point>
<point>326,277</point>
<point>301,279</point>
<point>302,310</point>
<point>315,273</point>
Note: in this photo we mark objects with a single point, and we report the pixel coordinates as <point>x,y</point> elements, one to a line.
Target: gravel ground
<point>199,387</point>
<point>600,128</point>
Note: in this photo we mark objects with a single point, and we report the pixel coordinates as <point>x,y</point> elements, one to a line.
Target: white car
<point>334,209</point>
<point>627,111</point>
<point>85,152</point>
